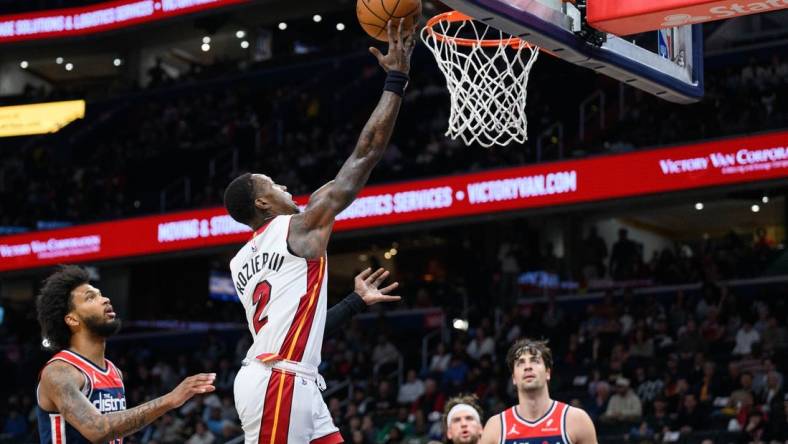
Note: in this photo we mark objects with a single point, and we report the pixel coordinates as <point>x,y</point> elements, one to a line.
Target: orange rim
<point>457,16</point>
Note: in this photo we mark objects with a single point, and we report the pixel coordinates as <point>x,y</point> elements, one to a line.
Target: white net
<point>486,74</point>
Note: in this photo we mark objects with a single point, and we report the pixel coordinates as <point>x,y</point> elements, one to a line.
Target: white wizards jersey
<point>284,296</point>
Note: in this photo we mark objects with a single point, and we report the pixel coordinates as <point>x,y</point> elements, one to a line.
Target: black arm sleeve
<point>342,312</point>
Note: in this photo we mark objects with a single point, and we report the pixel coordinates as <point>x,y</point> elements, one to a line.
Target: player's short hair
<point>55,301</point>
<point>531,346</point>
<point>239,199</point>
<point>463,398</point>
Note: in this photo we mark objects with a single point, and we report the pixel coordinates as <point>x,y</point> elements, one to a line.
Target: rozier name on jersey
<point>256,264</point>
<point>108,403</point>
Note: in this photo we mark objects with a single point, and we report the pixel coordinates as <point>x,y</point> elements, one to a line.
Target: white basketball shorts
<point>282,404</point>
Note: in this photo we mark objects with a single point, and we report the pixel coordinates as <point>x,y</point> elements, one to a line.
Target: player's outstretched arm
<point>61,384</point>
<point>492,431</point>
<point>366,293</point>
<point>335,196</point>
<point>580,427</point>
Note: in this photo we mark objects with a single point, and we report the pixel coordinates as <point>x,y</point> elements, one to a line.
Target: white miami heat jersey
<point>284,296</point>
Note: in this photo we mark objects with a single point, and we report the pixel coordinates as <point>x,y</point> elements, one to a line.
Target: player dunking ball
<point>81,398</point>
<point>280,277</point>
<point>536,417</point>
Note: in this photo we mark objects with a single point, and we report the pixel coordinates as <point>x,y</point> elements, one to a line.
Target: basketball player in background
<point>537,417</point>
<point>280,276</point>
<point>80,396</point>
<point>463,419</point>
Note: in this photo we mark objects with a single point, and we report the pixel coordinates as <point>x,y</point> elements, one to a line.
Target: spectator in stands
<point>659,419</point>
<point>649,385</point>
<point>440,359</point>
<point>709,386</point>
<point>745,338</point>
<point>384,352</point>
<point>773,337</point>
<point>772,395</point>
<point>432,400</point>
<point>756,427</point>
<point>624,257</point>
<point>385,400</point>
<point>742,397</point>
<point>642,346</point>
<point>690,415</point>
<point>411,390</point>
<point>201,435</point>
<point>481,345</point>
<point>594,254</point>
<point>455,376</point>
<point>599,400</point>
<point>624,405</point>
<point>552,316</point>
<point>690,340</point>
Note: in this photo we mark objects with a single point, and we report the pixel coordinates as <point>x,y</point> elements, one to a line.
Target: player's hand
<point>193,385</point>
<point>367,284</point>
<point>400,47</point>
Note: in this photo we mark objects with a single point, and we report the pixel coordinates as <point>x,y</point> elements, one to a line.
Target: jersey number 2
<point>260,298</point>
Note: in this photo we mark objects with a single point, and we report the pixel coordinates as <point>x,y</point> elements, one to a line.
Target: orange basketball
<point>373,15</point>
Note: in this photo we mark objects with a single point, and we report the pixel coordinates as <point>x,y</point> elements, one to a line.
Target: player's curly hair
<point>464,398</point>
<point>55,301</point>
<point>531,346</point>
<point>239,199</point>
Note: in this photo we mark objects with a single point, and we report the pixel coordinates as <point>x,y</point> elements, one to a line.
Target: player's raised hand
<point>193,385</point>
<point>367,283</point>
<point>400,47</point>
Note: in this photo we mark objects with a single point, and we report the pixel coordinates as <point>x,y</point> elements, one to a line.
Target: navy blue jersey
<point>104,389</point>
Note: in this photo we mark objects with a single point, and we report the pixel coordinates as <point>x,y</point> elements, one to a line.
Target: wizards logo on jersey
<point>107,401</point>
<point>104,389</point>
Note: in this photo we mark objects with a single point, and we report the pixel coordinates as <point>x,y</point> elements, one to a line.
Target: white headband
<point>461,406</point>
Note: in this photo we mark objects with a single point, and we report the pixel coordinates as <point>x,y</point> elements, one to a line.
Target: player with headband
<point>462,418</point>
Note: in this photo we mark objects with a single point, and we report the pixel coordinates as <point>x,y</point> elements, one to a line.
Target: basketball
<point>373,15</point>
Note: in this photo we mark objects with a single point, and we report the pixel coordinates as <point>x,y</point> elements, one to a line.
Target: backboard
<point>674,73</point>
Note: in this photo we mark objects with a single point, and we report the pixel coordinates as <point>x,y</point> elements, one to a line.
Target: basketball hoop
<point>486,73</point>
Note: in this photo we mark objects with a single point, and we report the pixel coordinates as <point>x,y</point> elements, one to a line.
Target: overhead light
<point>23,64</point>
<point>340,26</point>
<point>244,44</point>
<point>755,208</point>
<point>282,26</point>
<point>765,199</point>
<point>59,60</point>
<point>206,39</point>
<point>205,47</point>
<point>699,206</point>
<point>117,61</point>
<point>240,33</point>
<point>387,255</point>
<point>393,251</point>
<point>460,324</point>
<point>69,66</point>
<point>317,18</point>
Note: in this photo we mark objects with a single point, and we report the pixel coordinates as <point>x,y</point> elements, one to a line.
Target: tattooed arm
<point>311,229</point>
<point>60,385</point>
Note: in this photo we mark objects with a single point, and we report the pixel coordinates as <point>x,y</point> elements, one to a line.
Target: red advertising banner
<point>724,162</point>
<point>634,16</point>
<point>98,17</point>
